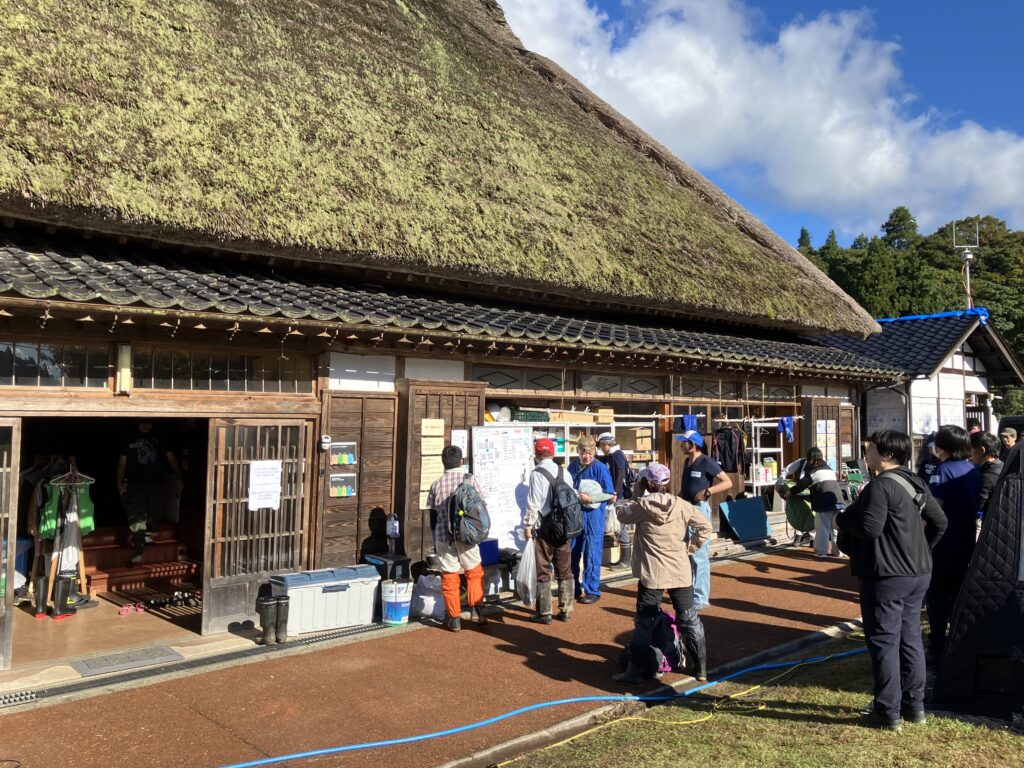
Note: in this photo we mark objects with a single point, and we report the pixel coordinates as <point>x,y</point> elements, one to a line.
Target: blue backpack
<point>468,520</point>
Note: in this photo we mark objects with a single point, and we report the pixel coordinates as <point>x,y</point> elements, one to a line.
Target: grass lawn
<point>804,718</point>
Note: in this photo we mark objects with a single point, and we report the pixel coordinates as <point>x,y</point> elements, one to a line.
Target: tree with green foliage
<point>900,229</point>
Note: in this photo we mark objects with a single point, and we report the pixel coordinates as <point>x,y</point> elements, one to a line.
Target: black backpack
<point>565,520</point>
<point>630,481</point>
<point>468,520</point>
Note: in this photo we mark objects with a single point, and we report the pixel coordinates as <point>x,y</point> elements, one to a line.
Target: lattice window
<point>162,368</point>
<point>600,382</point>
<point>32,364</point>
<point>639,385</point>
<point>780,392</point>
<point>499,378</point>
<point>730,390</point>
<point>699,388</point>
<point>546,380</point>
<point>755,391</point>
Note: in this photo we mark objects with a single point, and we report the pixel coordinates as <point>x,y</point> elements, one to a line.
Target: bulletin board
<point>502,462</point>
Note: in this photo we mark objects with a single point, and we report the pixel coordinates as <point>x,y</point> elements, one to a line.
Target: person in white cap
<point>618,465</point>
<point>661,561</point>
<point>702,478</point>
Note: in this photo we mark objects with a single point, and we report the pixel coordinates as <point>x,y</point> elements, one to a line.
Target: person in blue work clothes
<point>702,477</point>
<point>589,546</point>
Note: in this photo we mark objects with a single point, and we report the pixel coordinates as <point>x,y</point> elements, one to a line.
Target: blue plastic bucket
<point>396,596</point>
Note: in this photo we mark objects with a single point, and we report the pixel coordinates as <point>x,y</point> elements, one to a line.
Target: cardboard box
<point>605,415</point>
<point>644,444</point>
<point>644,432</point>
<point>626,438</point>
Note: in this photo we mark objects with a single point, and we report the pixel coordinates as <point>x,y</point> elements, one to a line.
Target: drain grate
<point>14,699</point>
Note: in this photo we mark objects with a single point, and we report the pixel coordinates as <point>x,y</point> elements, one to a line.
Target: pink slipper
<point>124,610</point>
<point>140,607</point>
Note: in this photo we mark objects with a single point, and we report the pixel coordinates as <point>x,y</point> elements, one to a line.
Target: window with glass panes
<point>44,364</point>
<point>217,371</point>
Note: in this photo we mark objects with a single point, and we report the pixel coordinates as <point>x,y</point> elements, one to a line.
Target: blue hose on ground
<point>535,707</point>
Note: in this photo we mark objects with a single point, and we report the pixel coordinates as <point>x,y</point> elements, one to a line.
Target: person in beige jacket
<point>661,561</point>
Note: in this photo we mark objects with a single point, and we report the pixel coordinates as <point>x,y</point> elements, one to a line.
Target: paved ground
<point>414,682</point>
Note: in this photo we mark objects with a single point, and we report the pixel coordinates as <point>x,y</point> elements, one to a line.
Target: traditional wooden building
<point>258,224</point>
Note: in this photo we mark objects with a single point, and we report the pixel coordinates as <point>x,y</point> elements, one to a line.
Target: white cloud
<point>816,118</point>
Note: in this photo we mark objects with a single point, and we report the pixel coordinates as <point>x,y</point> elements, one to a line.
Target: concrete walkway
<point>412,682</point>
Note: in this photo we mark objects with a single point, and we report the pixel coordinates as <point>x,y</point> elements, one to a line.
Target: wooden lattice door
<point>245,547</point>
<point>10,449</point>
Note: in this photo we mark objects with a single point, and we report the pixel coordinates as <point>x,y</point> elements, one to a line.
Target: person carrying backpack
<point>623,479</point>
<point>455,555</point>
<point>548,510</point>
<point>889,533</point>
<point>661,561</point>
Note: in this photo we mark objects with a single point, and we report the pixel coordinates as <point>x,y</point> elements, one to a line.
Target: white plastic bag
<point>611,521</point>
<point>427,599</point>
<point>526,575</point>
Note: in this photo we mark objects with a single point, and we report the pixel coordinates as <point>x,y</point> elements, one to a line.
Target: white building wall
<point>436,370</point>
<point>361,373</point>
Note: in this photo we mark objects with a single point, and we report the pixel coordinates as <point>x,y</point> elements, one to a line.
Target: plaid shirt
<point>437,498</point>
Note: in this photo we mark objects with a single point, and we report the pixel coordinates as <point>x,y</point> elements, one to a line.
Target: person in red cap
<point>557,554</point>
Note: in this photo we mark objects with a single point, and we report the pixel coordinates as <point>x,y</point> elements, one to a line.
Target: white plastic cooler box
<point>329,598</point>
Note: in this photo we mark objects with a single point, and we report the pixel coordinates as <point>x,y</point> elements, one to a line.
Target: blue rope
<point>533,708</point>
<point>979,312</point>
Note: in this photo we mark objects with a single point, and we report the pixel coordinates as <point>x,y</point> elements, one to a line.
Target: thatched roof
<point>414,136</point>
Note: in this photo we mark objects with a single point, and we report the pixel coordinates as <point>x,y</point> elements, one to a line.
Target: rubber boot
<point>543,603</point>
<point>282,619</point>
<point>625,558</point>
<point>634,674</point>
<point>42,584</point>
<point>566,598</point>
<point>61,590</point>
<point>266,607</point>
<point>694,644</point>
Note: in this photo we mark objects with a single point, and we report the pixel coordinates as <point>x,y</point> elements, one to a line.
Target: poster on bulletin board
<point>502,462</point>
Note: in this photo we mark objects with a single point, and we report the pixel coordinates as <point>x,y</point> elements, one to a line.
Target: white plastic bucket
<point>396,597</point>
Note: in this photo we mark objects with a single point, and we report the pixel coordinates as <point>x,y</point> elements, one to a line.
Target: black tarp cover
<point>982,672</point>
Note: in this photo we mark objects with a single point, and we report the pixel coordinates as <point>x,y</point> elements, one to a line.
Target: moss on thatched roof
<point>409,135</point>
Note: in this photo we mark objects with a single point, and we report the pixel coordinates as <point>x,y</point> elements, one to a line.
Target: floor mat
<point>117,662</point>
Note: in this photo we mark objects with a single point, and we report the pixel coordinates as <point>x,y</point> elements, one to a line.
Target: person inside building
<point>956,485</point>
<point>661,561</point>
<point>973,426</point>
<point>549,554</point>
<point>589,547</point>
<point>455,556</point>
<point>985,456</point>
<point>891,555</point>
<point>618,464</point>
<point>144,460</point>
<point>826,499</point>
<point>1008,437</point>
<point>702,477</point>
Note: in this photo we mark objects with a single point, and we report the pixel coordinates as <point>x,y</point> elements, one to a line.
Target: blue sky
<point>819,114</point>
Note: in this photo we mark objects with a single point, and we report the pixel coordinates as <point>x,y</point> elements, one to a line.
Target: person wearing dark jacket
<point>956,485</point>
<point>891,554</point>
<point>985,456</point>
<point>826,499</point>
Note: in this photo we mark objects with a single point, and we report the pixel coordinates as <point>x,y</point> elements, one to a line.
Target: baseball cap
<point>606,437</point>
<point>656,473</point>
<point>691,436</point>
<point>544,445</point>
<point>1009,432</point>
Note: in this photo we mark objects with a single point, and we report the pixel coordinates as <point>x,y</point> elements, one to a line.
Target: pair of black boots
<point>62,587</point>
<point>273,613</point>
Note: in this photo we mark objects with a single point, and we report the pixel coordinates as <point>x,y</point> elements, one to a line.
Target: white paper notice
<point>460,437</point>
<point>264,485</point>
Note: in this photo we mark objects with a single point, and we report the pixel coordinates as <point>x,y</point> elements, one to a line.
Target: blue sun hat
<point>593,489</point>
